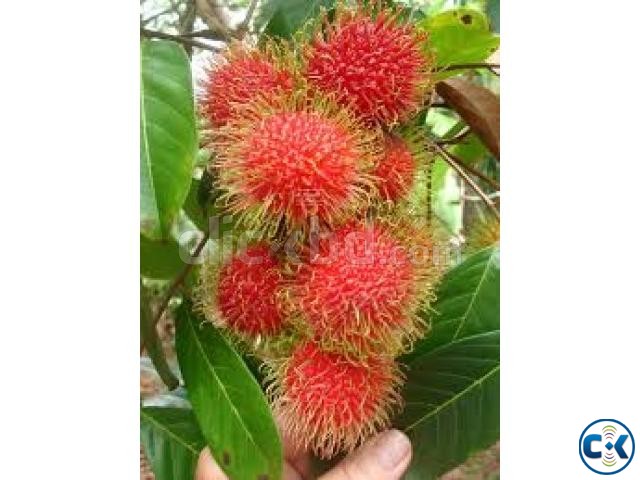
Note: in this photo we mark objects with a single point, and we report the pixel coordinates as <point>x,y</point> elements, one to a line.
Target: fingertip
<point>393,450</point>
<point>207,468</point>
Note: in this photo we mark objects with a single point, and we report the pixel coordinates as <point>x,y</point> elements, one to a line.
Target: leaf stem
<point>150,340</point>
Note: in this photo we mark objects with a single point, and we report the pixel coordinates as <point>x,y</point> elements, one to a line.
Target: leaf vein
<point>448,402</point>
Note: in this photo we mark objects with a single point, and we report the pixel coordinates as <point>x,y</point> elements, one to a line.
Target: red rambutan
<point>237,77</point>
<point>242,293</point>
<point>295,157</point>
<point>396,170</point>
<point>328,403</point>
<point>359,292</point>
<point>374,63</point>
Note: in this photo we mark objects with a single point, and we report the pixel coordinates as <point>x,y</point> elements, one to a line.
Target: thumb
<point>384,457</point>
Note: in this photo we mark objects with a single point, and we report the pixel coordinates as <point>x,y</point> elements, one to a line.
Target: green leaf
<point>458,36</point>
<point>452,400</point>
<point>452,390</point>
<point>168,140</point>
<point>468,301</point>
<point>228,402</point>
<point>470,150</point>
<point>287,16</point>
<point>160,260</point>
<point>172,441</point>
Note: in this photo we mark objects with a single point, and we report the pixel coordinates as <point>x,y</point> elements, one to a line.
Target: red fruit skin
<point>375,65</point>
<point>396,170</point>
<point>358,294</point>
<point>295,158</point>
<point>329,403</point>
<point>246,293</point>
<point>236,80</point>
<point>305,162</point>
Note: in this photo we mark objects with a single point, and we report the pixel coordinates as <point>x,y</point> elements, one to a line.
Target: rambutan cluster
<point>311,156</point>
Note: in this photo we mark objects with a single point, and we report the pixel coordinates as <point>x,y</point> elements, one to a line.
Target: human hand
<point>383,457</point>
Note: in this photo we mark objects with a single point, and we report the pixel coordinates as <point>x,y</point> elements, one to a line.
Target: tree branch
<point>244,26</point>
<point>177,38</point>
<point>173,288</point>
<point>477,173</point>
<point>216,17</point>
<point>473,198</point>
<point>456,138</point>
<point>185,24</point>
<point>207,33</point>
<point>460,171</point>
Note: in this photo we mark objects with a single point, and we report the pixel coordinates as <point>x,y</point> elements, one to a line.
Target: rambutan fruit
<point>395,174</point>
<point>238,76</point>
<point>329,403</point>
<point>241,294</point>
<point>292,157</point>
<point>372,62</point>
<point>359,292</point>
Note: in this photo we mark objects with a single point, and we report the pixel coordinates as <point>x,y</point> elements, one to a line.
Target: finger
<point>385,457</point>
<point>207,468</point>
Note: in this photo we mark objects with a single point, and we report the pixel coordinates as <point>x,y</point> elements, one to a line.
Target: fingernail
<point>391,448</point>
